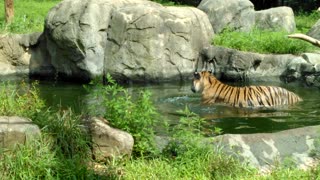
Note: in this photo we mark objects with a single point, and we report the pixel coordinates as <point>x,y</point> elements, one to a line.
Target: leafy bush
<point>22,100</point>
<point>137,115</point>
<point>262,42</point>
<point>63,151</point>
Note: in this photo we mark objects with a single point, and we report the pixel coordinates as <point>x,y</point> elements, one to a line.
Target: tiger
<point>214,91</point>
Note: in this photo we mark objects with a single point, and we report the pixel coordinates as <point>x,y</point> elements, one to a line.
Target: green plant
<point>29,16</point>
<point>34,160</point>
<point>262,42</point>
<point>164,2</point>
<point>136,115</point>
<point>22,100</point>
<point>63,151</point>
<point>304,20</point>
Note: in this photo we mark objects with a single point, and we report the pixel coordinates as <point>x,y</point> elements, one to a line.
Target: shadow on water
<point>170,98</point>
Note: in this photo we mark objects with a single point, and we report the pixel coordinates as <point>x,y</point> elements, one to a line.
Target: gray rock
<point>16,130</point>
<point>155,43</point>
<point>131,39</point>
<point>312,58</point>
<point>265,150</point>
<point>234,14</point>
<point>108,142</point>
<point>237,65</point>
<point>315,30</point>
<point>13,58</point>
<point>276,19</point>
<point>240,15</point>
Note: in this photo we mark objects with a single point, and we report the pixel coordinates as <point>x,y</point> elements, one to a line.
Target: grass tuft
<point>262,42</point>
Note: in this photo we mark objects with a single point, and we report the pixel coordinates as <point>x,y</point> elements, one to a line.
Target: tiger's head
<point>200,80</point>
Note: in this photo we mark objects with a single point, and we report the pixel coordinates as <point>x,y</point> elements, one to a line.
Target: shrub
<point>136,115</point>
<point>21,100</point>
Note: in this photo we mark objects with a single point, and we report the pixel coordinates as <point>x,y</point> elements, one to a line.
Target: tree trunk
<point>9,10</point>
<point>304,37</point>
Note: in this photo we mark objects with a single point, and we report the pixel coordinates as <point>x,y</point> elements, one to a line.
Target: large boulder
<point>16,130</point>
<point>265,150</point>
<point>130,39</point>
<point>13,58</point>
<point>237,65</point>
<point>240,15</point>
<point>234,65</point>
<point>234,14</point>
<point>22,55</point>
<point>276,19</point>
<point>108,142</point>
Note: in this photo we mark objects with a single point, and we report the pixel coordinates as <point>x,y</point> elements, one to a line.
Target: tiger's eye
<point>196,75</point>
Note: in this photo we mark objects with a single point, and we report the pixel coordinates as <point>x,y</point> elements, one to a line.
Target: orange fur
<point>214,91</point>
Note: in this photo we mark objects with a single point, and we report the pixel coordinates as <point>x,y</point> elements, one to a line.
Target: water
<point>169,98</point>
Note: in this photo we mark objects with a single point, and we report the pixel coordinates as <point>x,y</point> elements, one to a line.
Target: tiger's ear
<point>210,71</point>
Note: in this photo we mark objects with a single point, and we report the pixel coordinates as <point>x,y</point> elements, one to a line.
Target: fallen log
<point>304,37</point>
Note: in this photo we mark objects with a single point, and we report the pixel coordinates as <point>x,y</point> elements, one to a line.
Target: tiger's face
<point>199,81</point>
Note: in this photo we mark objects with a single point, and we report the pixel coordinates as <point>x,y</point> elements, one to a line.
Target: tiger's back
<point>261,96</point>
<point>214,91</point>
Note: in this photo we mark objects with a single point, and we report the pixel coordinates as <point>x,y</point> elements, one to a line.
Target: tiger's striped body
<point>214,91</point>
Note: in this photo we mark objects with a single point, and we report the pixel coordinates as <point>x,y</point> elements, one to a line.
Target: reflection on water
<point>169,98</point>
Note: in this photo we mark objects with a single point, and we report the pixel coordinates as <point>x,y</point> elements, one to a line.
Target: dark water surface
<point>169,98</point>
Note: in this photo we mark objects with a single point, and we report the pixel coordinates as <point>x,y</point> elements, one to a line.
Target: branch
<point>304,37</point>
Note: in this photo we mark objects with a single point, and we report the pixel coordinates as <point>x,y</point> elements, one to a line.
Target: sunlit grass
<point>262,42</point>
<point>29,16</point>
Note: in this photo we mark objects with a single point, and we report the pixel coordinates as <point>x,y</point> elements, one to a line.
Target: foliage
<point>137,115</point>
<point>32,160</point>
<point>187,156</point>
<point>262,42</point>
<point>304,21</point>
<point>164,2</point>
<point>22,100</point>
<point>61,152</point>
<point>29,16</point>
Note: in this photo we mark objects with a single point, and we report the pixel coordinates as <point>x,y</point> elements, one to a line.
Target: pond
<point>169,98</point>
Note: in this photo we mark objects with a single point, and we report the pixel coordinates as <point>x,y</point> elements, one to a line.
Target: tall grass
<point>304,20</point>
<point>262,42</point>
<point>136,115</point>
<point>29,16</point>
<point>62,151</point>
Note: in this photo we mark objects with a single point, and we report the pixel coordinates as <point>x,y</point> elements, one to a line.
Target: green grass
<point>62,152</point>
<point>29,16</point>
<point>270,42</point>
<point>262,42</point>
<point>304,21</point>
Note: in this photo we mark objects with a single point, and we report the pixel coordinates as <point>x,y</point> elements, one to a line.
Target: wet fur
<point>214,91</point>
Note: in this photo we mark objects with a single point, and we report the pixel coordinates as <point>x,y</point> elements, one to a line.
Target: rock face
<point>315,30</point>
<point>264,150</point>
<point>24,55</point>
<point>233,65</point>
<point>276,19</point>
<point>242,66</point>
<point>240,15</point>
<point>13,58</point>
<point>130,39</point>
<point>16,130</point>
<point>234,14</point>
<point>107,141</point>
